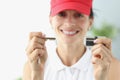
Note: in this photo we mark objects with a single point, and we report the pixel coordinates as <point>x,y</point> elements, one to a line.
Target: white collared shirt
<point>56,70</point>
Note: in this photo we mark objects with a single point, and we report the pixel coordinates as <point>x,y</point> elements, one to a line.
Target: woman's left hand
<point>101,58</point>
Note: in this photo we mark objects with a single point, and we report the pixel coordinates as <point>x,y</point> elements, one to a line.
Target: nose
<point>69,21</point>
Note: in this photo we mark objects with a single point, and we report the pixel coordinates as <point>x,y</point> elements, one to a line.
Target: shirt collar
<point>82,64</point>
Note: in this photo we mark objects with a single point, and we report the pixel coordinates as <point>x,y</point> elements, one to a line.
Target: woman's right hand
<point>36,51</point>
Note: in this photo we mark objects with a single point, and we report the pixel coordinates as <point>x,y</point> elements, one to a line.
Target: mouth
<point>70,32</point>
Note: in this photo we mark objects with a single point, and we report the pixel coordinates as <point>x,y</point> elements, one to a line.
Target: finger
<point>105,52</point>
<point>97,51</point>
<point>34,46</point>
<point>94,60</point>
<point>97,61</point>
<point>34,56</point>
<point>100,53</point>
<point>38,40</point>
<point>104,64</point>
<point>36,34</point>
<point>35,43</point>
<point>96,47</point>
<point>105,41</point>
<point>43,56</point>
<point>102,56</point>
<point>100,46</point>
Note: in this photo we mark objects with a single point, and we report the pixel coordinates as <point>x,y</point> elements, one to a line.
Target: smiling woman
<point>19,17</point>
<point>70,59</point>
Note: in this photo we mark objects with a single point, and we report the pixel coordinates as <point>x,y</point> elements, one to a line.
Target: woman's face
<point>70,26</point>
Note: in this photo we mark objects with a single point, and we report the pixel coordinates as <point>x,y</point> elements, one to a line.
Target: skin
<point>70,27</point>
<point>71,44</point>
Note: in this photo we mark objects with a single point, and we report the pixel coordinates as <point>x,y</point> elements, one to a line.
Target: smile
<point>69,33</point>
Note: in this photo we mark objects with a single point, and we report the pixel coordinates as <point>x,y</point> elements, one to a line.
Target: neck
<point>70,54</point>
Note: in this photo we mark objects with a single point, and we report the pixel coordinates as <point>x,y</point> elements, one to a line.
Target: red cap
<point>82,6</point>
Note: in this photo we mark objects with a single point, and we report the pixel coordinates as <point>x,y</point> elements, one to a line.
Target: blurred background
<point>19,17</point>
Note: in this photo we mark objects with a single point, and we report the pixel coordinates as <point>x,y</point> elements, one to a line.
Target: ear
<point>90,23</point>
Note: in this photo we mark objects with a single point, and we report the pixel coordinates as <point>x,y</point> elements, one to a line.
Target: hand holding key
<point>36,51</point>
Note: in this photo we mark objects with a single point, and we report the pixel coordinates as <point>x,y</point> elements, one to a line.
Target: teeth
<point>69,32</point>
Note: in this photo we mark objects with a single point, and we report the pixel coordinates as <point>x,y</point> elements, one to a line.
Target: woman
<point>71,59</point>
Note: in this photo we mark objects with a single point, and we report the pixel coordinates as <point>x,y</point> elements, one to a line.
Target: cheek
<point>84,23</point>
<point>56,23</point>
<point>84,26</point>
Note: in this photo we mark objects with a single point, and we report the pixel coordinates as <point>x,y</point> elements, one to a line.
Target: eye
<point>62,14</point>
<point>78,15</point>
